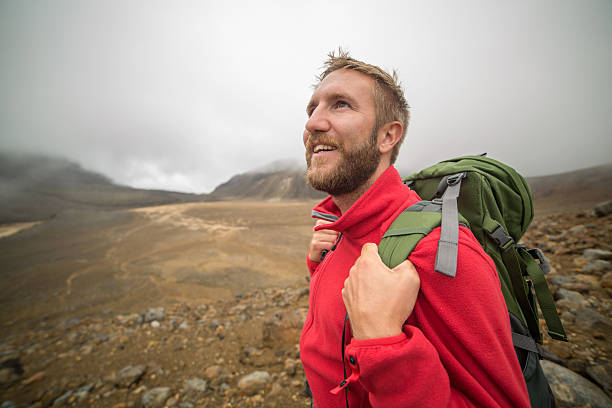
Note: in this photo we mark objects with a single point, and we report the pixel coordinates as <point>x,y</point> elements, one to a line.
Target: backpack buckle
<point>537,253</point>
<point>503,240</point>
<point>455,178</point>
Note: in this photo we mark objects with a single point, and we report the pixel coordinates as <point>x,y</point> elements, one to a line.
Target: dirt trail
<point>86,263</point>
<point>7,230</point>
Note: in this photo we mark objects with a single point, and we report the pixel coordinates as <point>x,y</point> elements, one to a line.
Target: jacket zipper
<point>315,288</point>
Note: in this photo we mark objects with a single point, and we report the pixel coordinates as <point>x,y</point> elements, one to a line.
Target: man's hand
<point>378,299</point>
<point>321,241</point>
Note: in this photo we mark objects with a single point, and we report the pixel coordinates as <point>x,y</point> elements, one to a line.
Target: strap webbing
<point>511,260</point>
<point>524,342</point>
<point>446,257</point>
<point>545,299</point>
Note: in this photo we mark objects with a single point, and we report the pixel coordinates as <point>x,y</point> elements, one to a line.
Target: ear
<point>388,136</point>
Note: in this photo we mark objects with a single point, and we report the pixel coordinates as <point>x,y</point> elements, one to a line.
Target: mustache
<point>320,138</point>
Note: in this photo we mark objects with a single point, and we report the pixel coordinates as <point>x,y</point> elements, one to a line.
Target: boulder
<point>572,390</point>
<point>602,375</point>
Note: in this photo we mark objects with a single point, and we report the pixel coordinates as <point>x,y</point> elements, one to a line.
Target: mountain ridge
<point>37,187</point>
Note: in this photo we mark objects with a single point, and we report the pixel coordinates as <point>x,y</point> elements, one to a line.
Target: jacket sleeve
<point>312,265</point>
<point>456,348</point>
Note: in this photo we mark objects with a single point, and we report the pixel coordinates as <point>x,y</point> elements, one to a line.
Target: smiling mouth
<point>323,148</point>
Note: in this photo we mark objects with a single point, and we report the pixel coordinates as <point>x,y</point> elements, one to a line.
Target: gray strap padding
<point>446,257</point>
<point>323,216</point>
<point>425,206</point>
<point>524,342</point>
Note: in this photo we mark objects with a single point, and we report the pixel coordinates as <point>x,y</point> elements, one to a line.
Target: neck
<point>345,201</point>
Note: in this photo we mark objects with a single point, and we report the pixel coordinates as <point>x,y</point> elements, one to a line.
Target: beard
<point>354,167</point>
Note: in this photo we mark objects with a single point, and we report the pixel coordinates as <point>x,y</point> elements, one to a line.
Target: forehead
<point>347,82</point>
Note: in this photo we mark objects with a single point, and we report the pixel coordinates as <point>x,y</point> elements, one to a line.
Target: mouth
<point>323,148</point>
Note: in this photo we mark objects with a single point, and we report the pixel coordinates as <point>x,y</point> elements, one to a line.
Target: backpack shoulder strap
<point>407,230</point>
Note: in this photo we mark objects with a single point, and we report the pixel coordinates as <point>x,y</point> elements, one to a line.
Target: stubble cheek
<point>305,137</point>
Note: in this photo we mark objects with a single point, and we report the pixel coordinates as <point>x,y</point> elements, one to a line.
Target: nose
<point>318,122</point>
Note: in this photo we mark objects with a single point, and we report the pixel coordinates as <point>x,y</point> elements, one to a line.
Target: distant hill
<point>34,187</point>
<point>277,185</point>
<point>572,190</point>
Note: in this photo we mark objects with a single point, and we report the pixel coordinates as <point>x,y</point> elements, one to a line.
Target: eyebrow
<point>334,96</point>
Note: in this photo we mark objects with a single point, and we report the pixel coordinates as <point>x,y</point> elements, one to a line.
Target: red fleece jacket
<point>456,348</point>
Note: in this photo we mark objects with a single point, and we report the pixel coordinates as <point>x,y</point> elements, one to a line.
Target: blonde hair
<point>388,95</point>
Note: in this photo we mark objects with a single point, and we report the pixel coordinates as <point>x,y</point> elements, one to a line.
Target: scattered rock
<point>194,388</point>
<point>594,322</point>
<point>129,375</point>
<point>603,209</point>
<point>254,382</point>
<point>577,229</point>
<point>82,393</point>
<point>134,319</point>
<point>606,280</point>
<point>597,254</point>
<point>155,397</point>
<point>284,327</point>
<point>572,390</point>
<point>213,372</point>
<point>36,377</point>
<point>291,366</point>
<point>597,266</point>
<point>62,399</point>
<point>156,313</point>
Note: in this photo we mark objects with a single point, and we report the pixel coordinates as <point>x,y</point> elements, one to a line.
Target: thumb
<point>369,249</point>
<point>404,267</point>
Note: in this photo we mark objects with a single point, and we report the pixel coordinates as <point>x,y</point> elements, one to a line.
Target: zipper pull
<point>333,247</point>
<point>337,241</point>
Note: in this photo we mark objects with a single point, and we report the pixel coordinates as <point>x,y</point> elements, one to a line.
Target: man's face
<point>340,139</point>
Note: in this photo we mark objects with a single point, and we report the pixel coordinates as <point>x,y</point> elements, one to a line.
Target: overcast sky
<point>182,95</point>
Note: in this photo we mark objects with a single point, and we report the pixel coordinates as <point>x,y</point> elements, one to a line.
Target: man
<point>415,337</point>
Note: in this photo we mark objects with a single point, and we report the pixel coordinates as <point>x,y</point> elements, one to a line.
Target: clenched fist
<point>378,299</point>
<point>321,241</point>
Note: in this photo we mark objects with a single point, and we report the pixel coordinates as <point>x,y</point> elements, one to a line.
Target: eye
<point>342,104</point>
<point>310,109</point>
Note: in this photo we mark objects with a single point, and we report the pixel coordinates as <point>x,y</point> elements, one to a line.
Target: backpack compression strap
<point>518,259</point>
<point>446,256</point>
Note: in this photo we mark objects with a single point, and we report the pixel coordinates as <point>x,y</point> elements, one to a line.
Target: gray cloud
<point>183,95</point>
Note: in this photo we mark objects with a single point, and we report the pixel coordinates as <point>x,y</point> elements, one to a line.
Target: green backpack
<point>496,203</point>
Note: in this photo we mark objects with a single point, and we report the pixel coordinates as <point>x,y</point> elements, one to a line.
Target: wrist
<point>368,333</point>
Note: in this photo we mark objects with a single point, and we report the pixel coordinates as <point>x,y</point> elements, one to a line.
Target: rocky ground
<point>243,352</point>
<point>236,353</point>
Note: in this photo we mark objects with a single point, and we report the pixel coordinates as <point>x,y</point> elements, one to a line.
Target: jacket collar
<point>373,210</point>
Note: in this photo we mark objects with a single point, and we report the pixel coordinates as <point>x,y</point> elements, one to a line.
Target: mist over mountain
<point>36,187</point>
